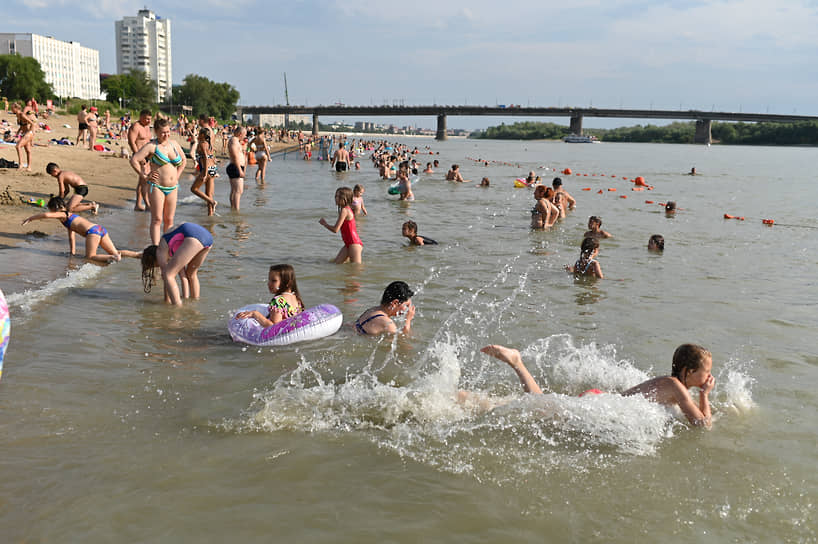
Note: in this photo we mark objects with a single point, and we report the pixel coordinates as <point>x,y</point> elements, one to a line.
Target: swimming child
<point>67,181</point>
<point>353,246</point>
<point>358,199</point>
<point>670,208</point>
<point>692,366</point>
<point>95,235</point>
<point>656,243</point>
<point>396,299</point>
<point>410,230</point>
<point>586,265</point>
<point>286,300</point>
<point>207,171</point>
<point>428,169</point>
<point>484,182</point>
<point>181,251</point>
<point>595,228</point>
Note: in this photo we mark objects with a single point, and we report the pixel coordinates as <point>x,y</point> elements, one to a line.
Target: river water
<point>125,419</point>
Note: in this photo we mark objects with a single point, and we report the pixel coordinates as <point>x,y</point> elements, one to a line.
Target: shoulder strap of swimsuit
<point>360,324</point>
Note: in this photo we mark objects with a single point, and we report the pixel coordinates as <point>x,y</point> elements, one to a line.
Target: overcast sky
<point>742,55</point>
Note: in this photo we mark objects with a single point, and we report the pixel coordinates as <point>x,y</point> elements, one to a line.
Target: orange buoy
<point>648,202</point>
<point>740,218</point>
<point>640,181</point>
<point>586,175</point>
<point>728,216</point>
<point>611,189</point>
<point>577,174</point>
<point>567,172</point>
<point>586,188</point>
<point>768,221</point>
<point>599,192</point>
<point>623,196</point>
<point>637,188</point>
<point>661,203</point>
<point>624,177</point>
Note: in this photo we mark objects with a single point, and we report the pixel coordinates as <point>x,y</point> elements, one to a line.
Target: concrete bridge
<point>703,118</point>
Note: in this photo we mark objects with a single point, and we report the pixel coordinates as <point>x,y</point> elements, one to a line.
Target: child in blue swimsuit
<point>587,265</point>
<point>396,299</point>
<point>95,235</point>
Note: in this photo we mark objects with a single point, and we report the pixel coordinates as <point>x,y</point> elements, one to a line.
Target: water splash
<point>29,298</point>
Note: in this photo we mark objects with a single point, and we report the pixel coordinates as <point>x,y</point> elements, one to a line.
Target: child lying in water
<point>691,367</point>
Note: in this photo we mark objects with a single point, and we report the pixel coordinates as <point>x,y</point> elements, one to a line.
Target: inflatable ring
<point>5,329</point>
<point>311,324</point>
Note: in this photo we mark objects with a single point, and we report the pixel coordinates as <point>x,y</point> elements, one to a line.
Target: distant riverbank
<point>799,133</point>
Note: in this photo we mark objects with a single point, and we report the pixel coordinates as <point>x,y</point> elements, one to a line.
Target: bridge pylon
<point>441,127</point>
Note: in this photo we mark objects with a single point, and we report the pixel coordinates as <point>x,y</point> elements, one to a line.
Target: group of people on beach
<point>178,251</point>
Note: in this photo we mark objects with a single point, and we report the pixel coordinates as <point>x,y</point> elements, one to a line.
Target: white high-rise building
<point>143,43</point>
<point>71,69</point>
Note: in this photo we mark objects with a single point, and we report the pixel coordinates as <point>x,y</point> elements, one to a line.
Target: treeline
<point>799,133</point>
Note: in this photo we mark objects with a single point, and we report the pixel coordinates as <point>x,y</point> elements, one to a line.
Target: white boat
<point>577,139</point>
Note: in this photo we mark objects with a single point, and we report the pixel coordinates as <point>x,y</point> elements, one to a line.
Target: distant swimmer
<point>559,189</point>
<point>595,228</point>
<point>656,243</point>
<point>410,230</point>
<point>692,172</point>
<point>692,366</point>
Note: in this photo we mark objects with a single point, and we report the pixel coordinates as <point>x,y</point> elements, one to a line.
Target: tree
<point>135,88</point>
<point>206,97</point>
<point>22,78</point>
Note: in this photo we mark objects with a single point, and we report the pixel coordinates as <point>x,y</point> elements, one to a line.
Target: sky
<point>732,55</point>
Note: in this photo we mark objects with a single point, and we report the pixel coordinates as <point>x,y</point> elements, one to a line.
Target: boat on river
<point>577,139</point>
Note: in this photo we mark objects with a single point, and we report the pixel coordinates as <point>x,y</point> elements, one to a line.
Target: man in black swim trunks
<point>235,170</point>
<point>82,126</point>
<point>341,159</point>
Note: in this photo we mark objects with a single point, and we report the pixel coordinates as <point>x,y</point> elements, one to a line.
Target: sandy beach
<point>110,179</point>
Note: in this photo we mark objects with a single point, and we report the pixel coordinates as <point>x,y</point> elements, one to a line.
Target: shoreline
<point>110,178</point>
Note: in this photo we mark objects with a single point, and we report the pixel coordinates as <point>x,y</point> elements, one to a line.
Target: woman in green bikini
<point>167,162</point>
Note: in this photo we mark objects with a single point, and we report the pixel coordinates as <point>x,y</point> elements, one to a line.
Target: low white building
<point>71,69</point>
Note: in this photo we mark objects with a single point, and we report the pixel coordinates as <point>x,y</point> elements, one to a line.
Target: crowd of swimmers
<point>178,251</point>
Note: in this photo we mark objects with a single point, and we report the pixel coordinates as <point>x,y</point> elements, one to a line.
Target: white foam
<point>29,298</point>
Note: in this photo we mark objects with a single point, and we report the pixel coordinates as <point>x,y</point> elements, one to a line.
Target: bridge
<point>703,118</point>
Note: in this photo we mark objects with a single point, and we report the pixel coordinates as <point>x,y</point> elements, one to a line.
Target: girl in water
<point>396,299</point>
<point>262,154</point>
<point>692,367</point>
<point>587,265</point>
<point>167,162</point>
<point>353,246</point>
<point>286,300</point>
<point>95,235</point>
<point>358,200</point>
<point>181,252</point>
<point>207,171</point>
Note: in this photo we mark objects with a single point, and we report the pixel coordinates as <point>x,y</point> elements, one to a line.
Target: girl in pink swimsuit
<point>353,247</point>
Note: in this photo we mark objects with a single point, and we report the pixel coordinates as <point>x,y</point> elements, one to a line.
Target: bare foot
<point>507,355</point>
<point>96,208</point>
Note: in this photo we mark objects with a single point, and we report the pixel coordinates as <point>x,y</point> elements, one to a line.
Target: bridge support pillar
<point>315,124</point>
<point>576,125</point>
<point>703,135</point>
<point>441,127</point>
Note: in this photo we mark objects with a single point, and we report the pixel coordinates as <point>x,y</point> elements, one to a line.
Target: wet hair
<point>670,206</point>
<point>56,203</point>
<point>556,183</point>
<point>344,194</point>
<point>286,274</point>
<point>658,240</point>
<point>412,226</point>
<point>148,264</point>
<point>688,357</point>
<point>50,167</point>
<point>588,246</point>
<point>358,189</point>
<point>397,290</point>
<point>595,219</point>
<point>160,123</point>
